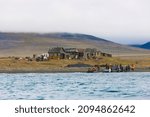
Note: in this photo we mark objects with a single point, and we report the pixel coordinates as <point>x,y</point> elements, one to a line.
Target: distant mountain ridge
<point>73,36</point>
<point>144,46</point>
<point>27,44</point>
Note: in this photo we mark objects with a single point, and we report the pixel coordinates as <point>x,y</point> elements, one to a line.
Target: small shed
<point>71,53</point>
<point>57,53</point>
<point>90,53</point>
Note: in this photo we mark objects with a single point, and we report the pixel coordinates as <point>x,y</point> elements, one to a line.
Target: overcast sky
<point>123,21</point>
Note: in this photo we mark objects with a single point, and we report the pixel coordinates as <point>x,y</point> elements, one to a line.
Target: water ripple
<point>45,86</point>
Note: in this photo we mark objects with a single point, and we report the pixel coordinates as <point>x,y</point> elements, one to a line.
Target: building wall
<point>86,54</point>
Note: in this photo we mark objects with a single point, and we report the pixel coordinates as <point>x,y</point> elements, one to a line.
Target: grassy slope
<point>26,44</point>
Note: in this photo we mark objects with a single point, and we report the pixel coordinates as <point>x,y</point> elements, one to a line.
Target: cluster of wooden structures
<point>70,53</point>
<point>75,53</point>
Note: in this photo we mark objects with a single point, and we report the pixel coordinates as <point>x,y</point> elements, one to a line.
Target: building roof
<point>69,50</point>
<point>56,50</point>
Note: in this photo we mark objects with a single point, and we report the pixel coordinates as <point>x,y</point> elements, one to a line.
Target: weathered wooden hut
<point>57,53</point>
<point>71,53</point>
<point>90,53</point>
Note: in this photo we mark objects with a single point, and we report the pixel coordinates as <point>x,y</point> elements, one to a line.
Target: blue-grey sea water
<point>80,86</point>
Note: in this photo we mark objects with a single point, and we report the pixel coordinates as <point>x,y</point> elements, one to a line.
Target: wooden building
<point>57,53</point>
<point>74,53</point>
